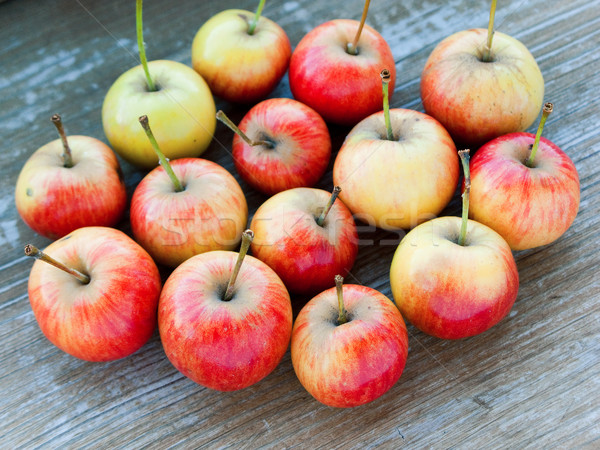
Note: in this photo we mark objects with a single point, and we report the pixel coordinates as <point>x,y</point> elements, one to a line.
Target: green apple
<point>182,110</point>
<point>174,95</point>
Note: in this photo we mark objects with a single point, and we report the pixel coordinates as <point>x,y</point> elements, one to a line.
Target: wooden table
<point>533,380</point>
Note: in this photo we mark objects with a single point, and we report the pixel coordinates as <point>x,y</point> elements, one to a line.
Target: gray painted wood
<point>533,380</point>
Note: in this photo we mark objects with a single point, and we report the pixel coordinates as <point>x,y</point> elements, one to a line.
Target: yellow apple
<point>398,183</point>
<point>182,111</point>
<point>478,100</point>
<point>240,64</point>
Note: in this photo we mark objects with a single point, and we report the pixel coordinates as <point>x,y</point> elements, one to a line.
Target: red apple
<point>480,90</point>
<point>187,207</point>
<point>351,348</point>
<point>280,144</point>
<point>224,324</point>
<point>453,279</point>
<point>102,306</point>
<point>69,184</point>
<point>241,55</point>
<point>173,94</point>
<point>400,176</point>
<point>326,74</point>
<point>528,204</point>
<point>306,236</point>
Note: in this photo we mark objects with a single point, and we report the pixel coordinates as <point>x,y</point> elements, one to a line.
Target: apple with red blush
<point>398,167</point>
<point>349,345</point>
<point>70,183</point>
<point>453,278</point>
<point>480,88</point>
<point>334,70</point>
<point>225,319</point>
<point>241,55</point>
<point>280,144</point>
<point>102,304</point>
<point>307,236</point>
<point>524,187</point>
<point>186,207</point>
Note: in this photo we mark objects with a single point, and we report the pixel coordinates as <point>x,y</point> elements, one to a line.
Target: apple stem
<point>141,47</point>
<point>334,195</point>
<point>66,156</point>
<point>464,159</point>
<point>548,108</point>
<point>247,237</point>
<point>222,117</point>
<point>386,76</point>
<point>342,318</point>
<point>352,48</point>
<point>162,160</point>
<point>254,22</point>
<point>487,54</point>
<point>33,251</point>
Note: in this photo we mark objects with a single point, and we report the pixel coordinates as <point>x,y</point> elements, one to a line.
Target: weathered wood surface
<point>533,380</point>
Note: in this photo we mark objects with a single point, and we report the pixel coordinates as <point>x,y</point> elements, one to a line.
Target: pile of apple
<point>224,317</point>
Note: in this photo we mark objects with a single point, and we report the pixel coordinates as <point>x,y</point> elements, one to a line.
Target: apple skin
<point>54,200</point>
<point>477,101</point>
<point>341,87</point>
<point>401,183</point>
<point>237,66</point>
<point>528,207</point>
<point>354,363</point>
<point>182,113</point>
<point>305,255</point>
<point>110,317</point>
<point>209,214</point>
<point>452,291</point>
<point>302,146</point>
<point>224,345</point>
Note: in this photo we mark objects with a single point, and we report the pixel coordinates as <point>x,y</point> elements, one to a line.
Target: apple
<point>70,183</point>
<point>186,207</point>
<point>334,70</point>
<point>173,94</point>
<point>454,278</point>
<point>524,187</point>
<point>397,168</point>
<point>241,55</point>
<point>280,144</point>
<point>306,236</point>
<point>102,305</point>
<point>479,91</point>
<point>224,324</point>
<point>349,345</point>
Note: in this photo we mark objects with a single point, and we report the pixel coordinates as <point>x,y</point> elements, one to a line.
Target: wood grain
<point>531,381</point>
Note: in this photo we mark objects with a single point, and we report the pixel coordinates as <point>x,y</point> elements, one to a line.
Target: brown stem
<point>66,156</point>
<point>247,237</point>
<point>34,252</point>
<point>342,317</point>
<point>222,117</point>
<point>352,48</point>
<point>334,195</point>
